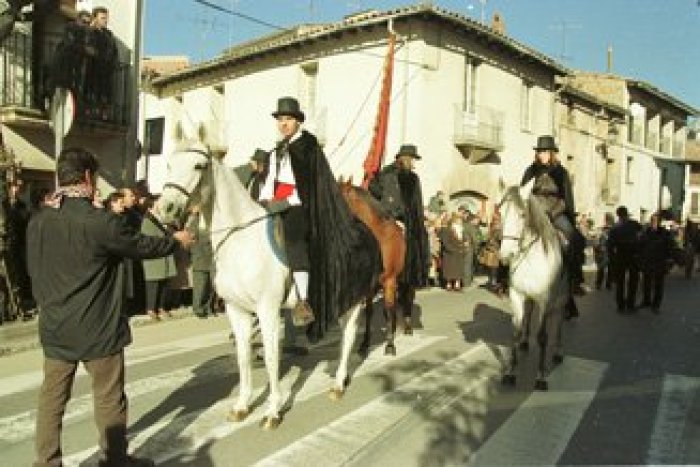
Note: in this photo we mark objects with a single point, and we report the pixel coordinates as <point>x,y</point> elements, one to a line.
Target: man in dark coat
<point>75,260</point>
<point>334,258</point>
<point>623,249</point>
<point>398,189</point>
<point>655,248</point>
<point>102,66</point>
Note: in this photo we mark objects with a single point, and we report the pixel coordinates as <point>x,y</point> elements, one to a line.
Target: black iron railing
<point>28,84</point>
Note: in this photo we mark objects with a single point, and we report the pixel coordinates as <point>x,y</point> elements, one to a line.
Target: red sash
<point>283,190</point>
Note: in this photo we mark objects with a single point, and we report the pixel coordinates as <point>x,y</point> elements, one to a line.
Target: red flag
<point>373,161</point>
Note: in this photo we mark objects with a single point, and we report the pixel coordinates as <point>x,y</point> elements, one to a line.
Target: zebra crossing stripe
<point>134,356</point>
<point>185,434</point>
<point>344,439</point>
<point>550,416</point>
<point>667,443</point>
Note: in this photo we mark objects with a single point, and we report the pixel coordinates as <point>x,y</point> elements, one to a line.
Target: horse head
<point>186,180</point>
<point>514,214</point>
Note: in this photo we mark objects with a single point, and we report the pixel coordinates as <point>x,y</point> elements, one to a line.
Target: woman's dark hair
<point>72,164</point>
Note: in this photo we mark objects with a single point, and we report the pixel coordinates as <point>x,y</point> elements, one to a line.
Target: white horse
<point>250,270</point>
<point>538,286</point>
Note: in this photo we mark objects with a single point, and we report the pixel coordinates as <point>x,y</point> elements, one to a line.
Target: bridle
<point>522,246</point>
<point>230,230</point>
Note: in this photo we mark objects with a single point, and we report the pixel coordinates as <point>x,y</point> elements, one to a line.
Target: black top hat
<point>546,143</point>
<point>261,155</point>
<point>288,106</point>
<point>408,150</point>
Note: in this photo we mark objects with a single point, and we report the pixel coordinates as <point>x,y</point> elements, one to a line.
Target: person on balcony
<point>102,65</point>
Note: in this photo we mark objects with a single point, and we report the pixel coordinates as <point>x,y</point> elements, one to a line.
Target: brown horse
<point>393,247</point>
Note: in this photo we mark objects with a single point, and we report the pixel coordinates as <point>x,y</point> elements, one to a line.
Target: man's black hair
<point>622,212</point>
<point>72,164</point>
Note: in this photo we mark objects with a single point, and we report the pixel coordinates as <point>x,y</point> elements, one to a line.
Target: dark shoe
<point>201,316</point>
<point>621,309</point>
<point>578,290</point>
<point>655,309</point>
<point>302,314</point>
<point>645,304</point>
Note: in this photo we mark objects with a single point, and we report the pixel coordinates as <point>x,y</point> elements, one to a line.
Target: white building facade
<point>471,99</point>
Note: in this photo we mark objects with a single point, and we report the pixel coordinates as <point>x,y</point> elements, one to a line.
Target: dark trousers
<point>653,286</point>
<point>626,277</point>
<point>603,274</point>
<point>155,294</point>
<point>296,237</point>
<point>110,407</point>
<point>202,293</point>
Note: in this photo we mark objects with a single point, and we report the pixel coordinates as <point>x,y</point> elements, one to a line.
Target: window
<point>470,85</point>
<point>153,135</point>
<point>526,106</point>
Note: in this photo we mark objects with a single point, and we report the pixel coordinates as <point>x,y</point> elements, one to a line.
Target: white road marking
<point>184,434</point>
<point>343,439</point>
<point>134,356</point>
<point>667,443</point>
<point>539,431</point>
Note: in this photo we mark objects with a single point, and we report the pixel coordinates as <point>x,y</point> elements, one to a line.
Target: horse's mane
<point>536,219</point>
<point>372,202</point>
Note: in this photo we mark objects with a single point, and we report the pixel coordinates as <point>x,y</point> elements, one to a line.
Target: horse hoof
<point>557,359</point>
<point>270,423</point>
<point>541,385</point>
<point>508,380</point>
<point>524,346</point>
<point>237,415</point>
<point>390,349</point>
<point>335,394</point>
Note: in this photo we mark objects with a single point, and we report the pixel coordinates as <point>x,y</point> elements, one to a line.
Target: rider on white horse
<point>316,219</point>
<point>553,189</point>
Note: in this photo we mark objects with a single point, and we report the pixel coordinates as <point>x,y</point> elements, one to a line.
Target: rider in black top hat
<point>398,189</point>
<point>552,187</point>
<point>334,258</point>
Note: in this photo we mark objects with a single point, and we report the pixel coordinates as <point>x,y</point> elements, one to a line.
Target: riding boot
<point>302,314</point>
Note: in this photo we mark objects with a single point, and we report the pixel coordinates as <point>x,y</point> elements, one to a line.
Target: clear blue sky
<point>654,40</point>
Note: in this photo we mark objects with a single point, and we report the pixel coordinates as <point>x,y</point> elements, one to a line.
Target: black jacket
<point>400,194</point>
<point>75,258</point>
<point>623,241</point>
<point>655,249</point>
<point>560,175</point>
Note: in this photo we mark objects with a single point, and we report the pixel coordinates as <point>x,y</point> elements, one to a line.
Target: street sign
<point>62,111</point>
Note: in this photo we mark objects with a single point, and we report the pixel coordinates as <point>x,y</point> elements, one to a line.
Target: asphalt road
<point>627,393</point>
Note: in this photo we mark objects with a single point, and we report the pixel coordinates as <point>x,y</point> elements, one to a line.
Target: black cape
<point>344,256</point>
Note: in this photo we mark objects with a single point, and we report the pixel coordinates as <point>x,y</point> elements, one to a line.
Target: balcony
<point>25,90</point>
<point>480,134</point>
<point>636,135</point>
